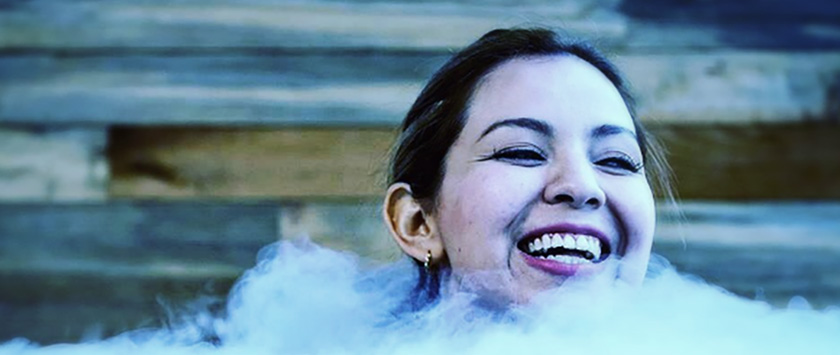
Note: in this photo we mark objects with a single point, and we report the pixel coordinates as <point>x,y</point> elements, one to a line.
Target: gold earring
<point>428,260</point>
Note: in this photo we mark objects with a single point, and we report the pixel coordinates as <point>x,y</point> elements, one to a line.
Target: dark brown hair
<point>437,117</point>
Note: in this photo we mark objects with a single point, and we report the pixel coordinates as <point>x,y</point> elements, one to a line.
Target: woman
<point>520,167</point>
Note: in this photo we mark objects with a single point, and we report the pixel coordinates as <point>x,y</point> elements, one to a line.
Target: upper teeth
<point>580,242</point>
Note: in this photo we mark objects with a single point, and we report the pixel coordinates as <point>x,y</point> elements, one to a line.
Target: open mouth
<point>569,248</point>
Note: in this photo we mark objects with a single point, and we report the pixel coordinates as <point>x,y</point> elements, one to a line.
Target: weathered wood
<point>735,87</point>
<point>322,89</point>
<point>376,89</point>
<point>755,161</point>
<point>53,164</point>
<point>61,307</point>
<point>768,24</point>
<point>710,162</point>
<point>212,24</point>
<point>86,269</point>
<point>130,238</point>
<point>185,162</point>
<point>766,250</point>
<point>405,24</point>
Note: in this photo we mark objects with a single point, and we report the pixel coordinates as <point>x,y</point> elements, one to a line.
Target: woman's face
<point>545,183</point>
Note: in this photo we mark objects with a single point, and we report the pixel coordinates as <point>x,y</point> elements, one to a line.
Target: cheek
<point>474,211</point>
<point>634,207</point>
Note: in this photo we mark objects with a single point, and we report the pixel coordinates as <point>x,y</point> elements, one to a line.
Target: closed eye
<point>521,156</point>
<point>622,163</point>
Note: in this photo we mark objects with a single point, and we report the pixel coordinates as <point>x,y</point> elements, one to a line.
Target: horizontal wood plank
<point>189,163</point>
<point>710,162</point>
<point>414,25</point>
<point>130,238</point>
<point>53,164</point>
<point>733,162</point>
<point>376,89</point>
<point>312,24</point>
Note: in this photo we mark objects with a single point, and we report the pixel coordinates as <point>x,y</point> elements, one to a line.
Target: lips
<point>564,249</point>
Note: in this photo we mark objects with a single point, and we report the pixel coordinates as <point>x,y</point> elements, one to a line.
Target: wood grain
<point>247,163</point>
<point>311,24</point>
<point>633,25</point>
<point>740,162</point>
<point>375,89</point>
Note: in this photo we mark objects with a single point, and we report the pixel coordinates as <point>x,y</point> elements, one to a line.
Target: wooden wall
<point>126,126</point>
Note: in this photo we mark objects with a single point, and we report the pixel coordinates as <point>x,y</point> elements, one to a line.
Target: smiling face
<point>544,183</point>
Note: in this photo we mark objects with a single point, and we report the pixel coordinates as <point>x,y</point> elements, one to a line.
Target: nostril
<point>593,202</point>
<point>563,198</point>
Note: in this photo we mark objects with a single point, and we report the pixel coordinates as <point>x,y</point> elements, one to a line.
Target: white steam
<point>303,299</point>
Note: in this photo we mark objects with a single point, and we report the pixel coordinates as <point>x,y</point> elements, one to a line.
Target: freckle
<point>459,250</point>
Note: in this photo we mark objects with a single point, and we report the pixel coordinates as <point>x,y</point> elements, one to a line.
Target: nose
<point>575,184</point>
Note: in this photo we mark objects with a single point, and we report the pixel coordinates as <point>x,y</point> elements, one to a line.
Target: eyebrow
<point>606,130</point>
<point>533,124</point>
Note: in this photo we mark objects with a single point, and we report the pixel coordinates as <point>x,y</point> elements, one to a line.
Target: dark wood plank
<point>376,88</point>
<point>75,269</point>
<point>737,162</point>
<point>61,308</point>
<point>322,89</point>
<point>85,237</point>
<point>416,25</point>
<point>757,24</point>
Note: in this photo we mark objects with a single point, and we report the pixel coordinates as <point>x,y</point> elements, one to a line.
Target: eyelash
<point>531,157</point>
<point>519,156</point>
<point>621,162</point>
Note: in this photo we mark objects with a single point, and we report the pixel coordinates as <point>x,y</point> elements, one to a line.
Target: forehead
<point>561,90</point>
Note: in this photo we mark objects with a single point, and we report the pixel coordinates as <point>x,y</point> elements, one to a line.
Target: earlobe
<point>412,228</point>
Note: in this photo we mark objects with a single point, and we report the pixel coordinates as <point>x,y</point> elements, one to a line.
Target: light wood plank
<point>53,164</point>
<point>254,163</point>
<point>376,89</point>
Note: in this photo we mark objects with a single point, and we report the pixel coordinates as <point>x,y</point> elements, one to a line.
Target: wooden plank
<point>130,239</point>
<point>735,87</point>
<point>728,11</point>
<point>783,161</point>
<point>75,269</point>
<point>416,25</point>
<point>256,163</point>
<point>312,24</point>
<point>376,89</point>
<point>68,308</point>
<point>354,89</point>
<point>767,250</point>
<point>53,164</point>
<point>710,162</point>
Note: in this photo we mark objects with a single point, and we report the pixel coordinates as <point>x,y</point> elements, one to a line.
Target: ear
<point>414,230</point>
